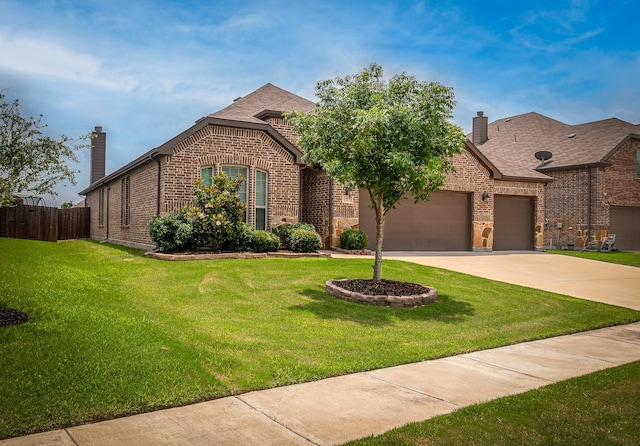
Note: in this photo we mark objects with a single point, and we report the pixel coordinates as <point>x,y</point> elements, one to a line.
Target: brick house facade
<point>251,136</point>
<point>595,169</point>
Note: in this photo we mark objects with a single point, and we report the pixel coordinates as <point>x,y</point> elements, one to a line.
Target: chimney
<point>98,154</point>
<point>480,133</point>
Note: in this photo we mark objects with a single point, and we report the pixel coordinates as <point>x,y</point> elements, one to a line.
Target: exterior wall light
<point>485,196</point>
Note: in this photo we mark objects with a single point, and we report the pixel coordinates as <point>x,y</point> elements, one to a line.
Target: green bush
<point>172,232</point>
<point>216,212</point>
<point>285,230</point>
<point>238,238</point>
<point>263,241</point>
<point>304,240</point>
<point>353,239</point>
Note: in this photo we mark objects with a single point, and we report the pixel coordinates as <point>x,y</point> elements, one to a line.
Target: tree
<point>388,138</point>
<point>29,160</point>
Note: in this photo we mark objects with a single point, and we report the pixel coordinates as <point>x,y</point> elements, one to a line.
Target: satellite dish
<point>543,156</point>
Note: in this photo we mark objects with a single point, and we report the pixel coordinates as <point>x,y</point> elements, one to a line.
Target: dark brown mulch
<point>372,287</point>
<point>12,317</point>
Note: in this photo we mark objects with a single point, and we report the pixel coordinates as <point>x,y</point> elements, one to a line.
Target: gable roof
<point>515,140</point>
<point>267,98</point>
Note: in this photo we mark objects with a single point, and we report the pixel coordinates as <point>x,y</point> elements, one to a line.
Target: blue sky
<point>146,70</point>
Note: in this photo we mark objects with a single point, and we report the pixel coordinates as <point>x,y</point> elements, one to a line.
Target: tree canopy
<point>30,161</point>
<point>389,138</point>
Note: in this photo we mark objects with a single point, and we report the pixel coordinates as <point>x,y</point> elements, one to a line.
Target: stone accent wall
<point>472,176</point>
<point>567,202</point>
<point>345,212</point>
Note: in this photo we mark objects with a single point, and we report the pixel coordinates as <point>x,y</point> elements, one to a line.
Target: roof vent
<point>507,120</point>
<point>237,99</point>
<point>572,135</point>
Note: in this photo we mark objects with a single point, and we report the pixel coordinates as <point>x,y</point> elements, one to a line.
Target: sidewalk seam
<point>66,431</point>
<point>264,414</point>
<point>419,392</point>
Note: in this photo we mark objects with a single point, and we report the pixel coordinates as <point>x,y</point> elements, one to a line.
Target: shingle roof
<point>240,114</point>
<point>266,98</point>
<point>514,141</point>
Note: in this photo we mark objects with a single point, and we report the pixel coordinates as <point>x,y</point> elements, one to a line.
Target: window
<point>205,174</point>
<point>125,211</point>
<point>638,163</point>
<point>261,200</point>
<point>260,192</point>
<point>101,207</point>
<point>236,171</point>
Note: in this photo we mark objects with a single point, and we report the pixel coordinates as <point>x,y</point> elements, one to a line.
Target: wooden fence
<point>44,223</point>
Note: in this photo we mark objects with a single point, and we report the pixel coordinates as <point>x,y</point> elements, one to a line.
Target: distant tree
<point>30,161</point>
<point>66,205</point>
<point>388,138</point>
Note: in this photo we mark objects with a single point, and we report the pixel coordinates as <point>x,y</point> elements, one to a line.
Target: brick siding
<point>567,202</point>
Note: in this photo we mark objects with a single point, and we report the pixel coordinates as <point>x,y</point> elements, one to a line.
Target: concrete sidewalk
<point>336,410</point>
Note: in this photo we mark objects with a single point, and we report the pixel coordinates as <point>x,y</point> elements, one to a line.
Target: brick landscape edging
<point>333,288</point>
<point>232,255</point>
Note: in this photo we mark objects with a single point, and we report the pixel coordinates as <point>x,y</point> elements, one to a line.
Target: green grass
<point>621,257</point>
<point>115,333</point>
<point>596,409</point>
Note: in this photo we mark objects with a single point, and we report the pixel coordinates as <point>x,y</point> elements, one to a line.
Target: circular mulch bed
<point>382,292</point>
<point>12,317</point>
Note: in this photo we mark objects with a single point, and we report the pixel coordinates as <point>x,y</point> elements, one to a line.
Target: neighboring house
<point>484,205</point>
<point>595,169</point>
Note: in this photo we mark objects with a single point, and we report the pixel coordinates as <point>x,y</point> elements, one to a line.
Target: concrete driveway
<point>586,279</point>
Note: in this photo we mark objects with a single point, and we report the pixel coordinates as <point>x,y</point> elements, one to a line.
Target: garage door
<point>441,224</point>
<point>625,224</point>
<point>512,223</point>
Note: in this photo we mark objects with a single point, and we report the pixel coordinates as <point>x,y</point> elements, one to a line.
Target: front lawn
<point>114,333</point>
<point>621,257</point>
<point>592,410</point>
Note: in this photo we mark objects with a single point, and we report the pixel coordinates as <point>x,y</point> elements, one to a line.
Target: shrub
<point>285,230</point>
<point>238,238</point>
<point>353,239</point>
<point>264,241</point>
<point>216,212</point>
<point>304,240</point>
<point>172,232</point>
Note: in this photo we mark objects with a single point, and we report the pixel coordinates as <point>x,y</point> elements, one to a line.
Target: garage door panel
<point>441,224</point>
<point>513,223</point>
<point>625,224</point>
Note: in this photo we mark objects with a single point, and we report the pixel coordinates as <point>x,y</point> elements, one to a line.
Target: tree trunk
<point>377,265</point>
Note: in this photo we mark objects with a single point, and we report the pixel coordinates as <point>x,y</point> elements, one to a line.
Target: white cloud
<point>39,55</point>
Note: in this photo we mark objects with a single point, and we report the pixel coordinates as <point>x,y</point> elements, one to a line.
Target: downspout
<point>589,206</point>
